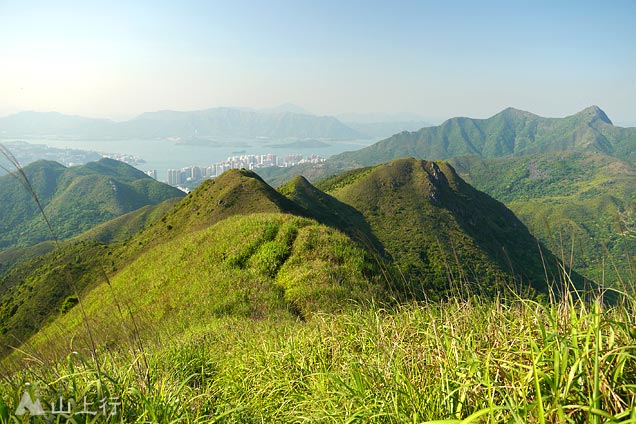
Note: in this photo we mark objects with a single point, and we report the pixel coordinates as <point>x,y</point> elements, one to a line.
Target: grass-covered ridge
<point>570,180</point>
<point>439,229</point>
<point>285,267</point>
<point>32,291</point>
<point>236,306</point>
<point>427,233</point>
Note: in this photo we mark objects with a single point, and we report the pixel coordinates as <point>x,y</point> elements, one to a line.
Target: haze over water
<point>161,155</point>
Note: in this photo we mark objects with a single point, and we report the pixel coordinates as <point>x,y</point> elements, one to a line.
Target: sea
<point>164,154</point>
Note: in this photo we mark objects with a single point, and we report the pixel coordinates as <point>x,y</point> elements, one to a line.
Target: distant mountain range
<point>217,123</point>
<point>511,132</point>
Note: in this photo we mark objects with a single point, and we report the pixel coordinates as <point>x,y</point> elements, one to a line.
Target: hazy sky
<point>437,59</point>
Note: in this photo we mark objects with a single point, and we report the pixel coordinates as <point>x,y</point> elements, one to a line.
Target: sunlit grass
<point>477,360</point>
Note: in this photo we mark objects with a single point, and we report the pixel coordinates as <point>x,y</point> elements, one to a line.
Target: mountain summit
<point>594,113</point>
<point>437,228</point>
<point>511,132</point>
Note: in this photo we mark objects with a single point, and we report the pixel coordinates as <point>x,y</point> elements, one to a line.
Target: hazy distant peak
<point>516,113</point>
<point>595,112</point>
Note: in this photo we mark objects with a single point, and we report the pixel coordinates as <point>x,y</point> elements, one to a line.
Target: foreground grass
<point>474,360</point>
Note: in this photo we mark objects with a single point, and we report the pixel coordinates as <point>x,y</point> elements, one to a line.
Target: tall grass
<point>476,360</point>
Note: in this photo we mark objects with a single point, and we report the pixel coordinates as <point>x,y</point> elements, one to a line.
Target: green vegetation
<point>395,293</point>
<point>509,133</point>
<point>438,229</point>
<point>75,199</point>
<point>570,180</point>
<point>286,266</point>
<point>35,280</point>
<point>33,288</point>
<point>423,229</point>
<point>478,360</point>
<point>576,203</point>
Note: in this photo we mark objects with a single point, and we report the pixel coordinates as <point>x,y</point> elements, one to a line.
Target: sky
<point>435,59</point>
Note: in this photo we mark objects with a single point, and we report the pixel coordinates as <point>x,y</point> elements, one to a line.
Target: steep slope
<point>438,228</point>
<point>328,210</point>
<point>113,231</point>
<point>510,132</point>
<point>257,266</point>
<point>75,199</point>
<point>235,192</point>
<point>35,290</point>
<point>578,204</point>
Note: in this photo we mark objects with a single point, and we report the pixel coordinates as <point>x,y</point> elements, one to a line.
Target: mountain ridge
<point>74,199</point>
<point>425,234</point>
<point>212,122</point>
<point>435,224</point>
<point>509,132</point>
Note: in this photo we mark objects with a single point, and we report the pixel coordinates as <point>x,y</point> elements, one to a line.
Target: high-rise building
<point>174,177</point>
<point>195,173</point>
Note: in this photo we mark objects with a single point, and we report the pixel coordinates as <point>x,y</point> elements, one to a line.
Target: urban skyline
<point>197,173</point>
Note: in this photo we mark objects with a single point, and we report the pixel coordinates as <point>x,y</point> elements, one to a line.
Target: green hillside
<point>125,226</point>
<point>438,229</point>
<point>34,290</point>
<point>570,180</point>
<point>579,204</point>
<point>234,192</point>
<point>330,211</point>
<point>75,199</point>
<point>511,132</point>
<point>115,230</point>
<point>243,304</point>
<point>285,267</point>
<point>425,231</point>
